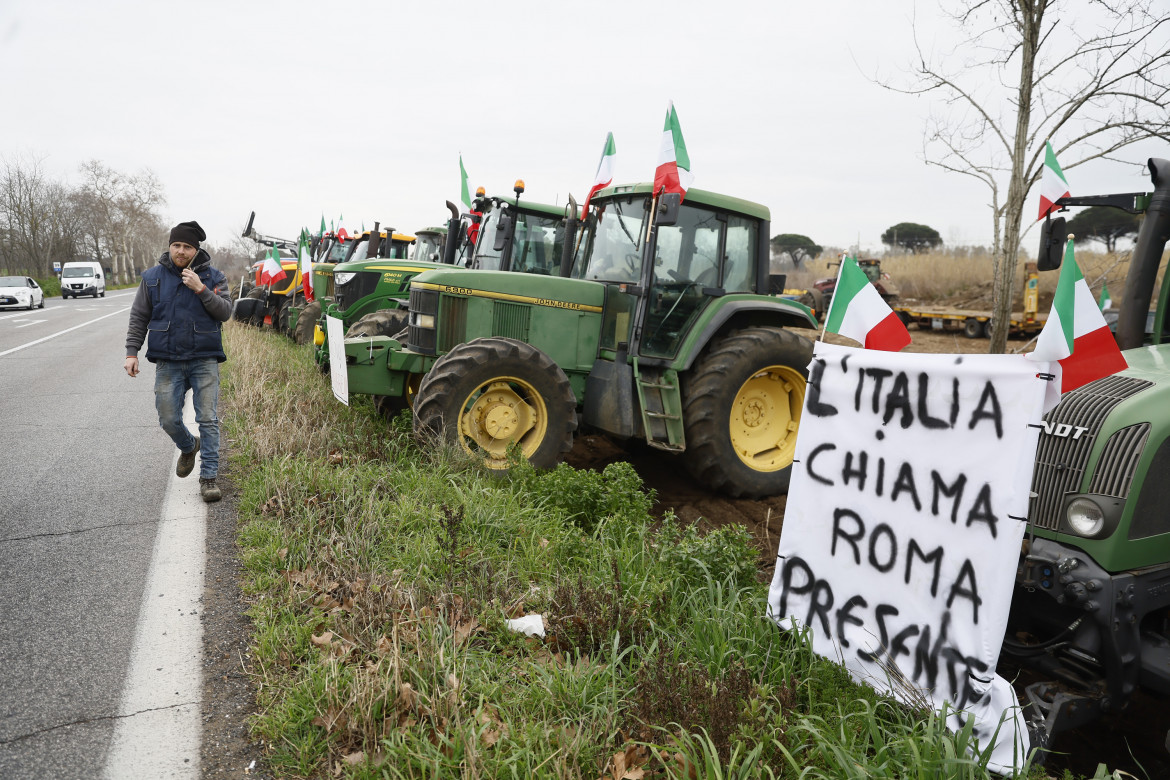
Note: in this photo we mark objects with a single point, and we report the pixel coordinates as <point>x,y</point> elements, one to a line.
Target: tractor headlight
<point>343,277</point>
<point>423,320</point>
<point>1085,517</point>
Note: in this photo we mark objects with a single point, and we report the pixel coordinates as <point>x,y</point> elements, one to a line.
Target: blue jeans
<point>172,380</point>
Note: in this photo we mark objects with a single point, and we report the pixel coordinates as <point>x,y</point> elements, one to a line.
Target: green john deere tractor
<point>661,326</point>
<point>370,296</point>
<point>1091,610</point>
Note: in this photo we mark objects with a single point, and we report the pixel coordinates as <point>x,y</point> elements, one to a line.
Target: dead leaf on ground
<point>462,632</point>
<point>323,641</point>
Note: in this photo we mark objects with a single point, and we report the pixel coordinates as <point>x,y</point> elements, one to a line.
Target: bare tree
<point>121,214</point>
<point>1093,76</point>
<point>36,221</point>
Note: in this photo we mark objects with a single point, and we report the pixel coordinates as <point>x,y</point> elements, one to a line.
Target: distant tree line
<point>110,217</point>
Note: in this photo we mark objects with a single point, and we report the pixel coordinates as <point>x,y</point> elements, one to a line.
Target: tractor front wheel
<point>492,392</point>
<point>383,322</point>
<point>309,316</point>
<point>741,410</point>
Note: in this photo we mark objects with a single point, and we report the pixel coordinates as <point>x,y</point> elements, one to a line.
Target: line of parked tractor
<point>650,316</point>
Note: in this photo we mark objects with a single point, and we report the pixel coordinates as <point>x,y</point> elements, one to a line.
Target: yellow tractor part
<point>765,415</point>
<point>501,411</point>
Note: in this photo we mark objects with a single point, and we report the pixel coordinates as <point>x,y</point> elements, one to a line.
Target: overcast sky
<point>299,110</point>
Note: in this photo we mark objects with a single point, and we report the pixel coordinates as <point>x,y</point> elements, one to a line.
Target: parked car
<point>22,291</point>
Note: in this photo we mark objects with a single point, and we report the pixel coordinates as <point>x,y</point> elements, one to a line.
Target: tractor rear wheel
<point>309,316</point>
<point>741,409</point>
<point>257,318</point>
<point>383,322</point>
<point>491,392</point>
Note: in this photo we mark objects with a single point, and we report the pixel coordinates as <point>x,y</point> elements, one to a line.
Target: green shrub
<point>724,554</point>
<point>586,497</point>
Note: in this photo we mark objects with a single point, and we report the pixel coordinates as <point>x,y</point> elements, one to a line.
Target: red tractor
<point>819,297</point>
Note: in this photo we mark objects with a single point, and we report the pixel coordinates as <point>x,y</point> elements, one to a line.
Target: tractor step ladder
<point>660,400</point>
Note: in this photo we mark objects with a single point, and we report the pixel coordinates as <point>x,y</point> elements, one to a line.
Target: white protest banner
<point>339,379</point>
<point>903,526</point>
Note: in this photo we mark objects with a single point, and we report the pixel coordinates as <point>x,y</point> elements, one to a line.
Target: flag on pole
<point>271,271</point>
<point>673,173</point>
<point>1106,300</point>
<point>464,194</point>
<point>604,176</point>
<point>1075,336</point>
<point>321,234</point>
<point>306,266</point>
<point>1053,185</point>
<point>857,311</point>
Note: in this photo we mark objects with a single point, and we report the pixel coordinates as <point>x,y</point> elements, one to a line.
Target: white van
<point>83,278</point>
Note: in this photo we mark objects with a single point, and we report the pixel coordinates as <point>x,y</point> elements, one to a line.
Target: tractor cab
<point>660,280</point>
<point>429,244</point>
<point>388,245</point>
<point>519,236</point>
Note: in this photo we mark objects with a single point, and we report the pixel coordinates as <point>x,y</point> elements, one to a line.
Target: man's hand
<point>132,366</point>
<point>192,280</point>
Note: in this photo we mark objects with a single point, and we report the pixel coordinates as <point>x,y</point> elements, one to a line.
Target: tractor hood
<point>531,289</point>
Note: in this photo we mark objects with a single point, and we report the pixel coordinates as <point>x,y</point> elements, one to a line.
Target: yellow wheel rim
<point>765,415</point>
<point>412,383</point>
<point>501,411</point>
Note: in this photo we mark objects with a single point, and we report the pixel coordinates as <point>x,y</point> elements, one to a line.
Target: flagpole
<point>653,214</point>
<point>832,300</point>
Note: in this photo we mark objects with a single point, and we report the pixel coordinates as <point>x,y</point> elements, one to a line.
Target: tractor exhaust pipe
<point>1147,253</point>
<point>451,242</point>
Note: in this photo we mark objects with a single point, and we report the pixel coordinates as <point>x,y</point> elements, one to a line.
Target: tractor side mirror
<point>668,206</point>
<point>507,225</point>
<point>776,283</point>
<point>248,230</point>
<point>1053,235</point>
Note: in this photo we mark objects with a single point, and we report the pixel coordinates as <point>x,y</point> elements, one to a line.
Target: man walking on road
<point>182,301</point>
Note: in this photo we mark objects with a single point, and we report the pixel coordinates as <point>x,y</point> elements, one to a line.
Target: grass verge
<point>381,577</point>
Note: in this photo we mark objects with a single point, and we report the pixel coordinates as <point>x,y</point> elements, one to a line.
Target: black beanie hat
<point>188,233</point>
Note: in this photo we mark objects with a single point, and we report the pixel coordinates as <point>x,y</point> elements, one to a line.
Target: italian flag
<point>857,311</point>
<point>464,194</point>
<point>1106,300</point>
<point>604,176</point>
<point>673,173</point>
<point>1075,337</point>
<point>1053,185</point>
<point>306,265</point>
<point>321,234</point>
<point>271,271</point>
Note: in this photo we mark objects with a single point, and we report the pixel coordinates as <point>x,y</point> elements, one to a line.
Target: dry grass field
<point>963,279</point>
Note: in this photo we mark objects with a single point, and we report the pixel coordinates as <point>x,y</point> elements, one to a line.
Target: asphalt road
<point>84,470</point>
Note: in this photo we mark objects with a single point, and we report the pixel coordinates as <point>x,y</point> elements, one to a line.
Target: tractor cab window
<point>612,251</point>
<point>537,241</point>
<point>687,260</point>
<point>399,249</point>
<point>429,248</point>
<point>739,255</point>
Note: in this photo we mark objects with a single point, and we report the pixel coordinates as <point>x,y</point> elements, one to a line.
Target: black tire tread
<point>466,363</point>
<point>723,367</point>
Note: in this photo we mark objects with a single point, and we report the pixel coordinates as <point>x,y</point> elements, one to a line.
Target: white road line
<point>62,332</point>
<point>159,729</point>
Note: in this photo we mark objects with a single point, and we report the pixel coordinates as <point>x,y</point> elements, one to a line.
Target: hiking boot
<point>187,460</point>
<point>209,490</point>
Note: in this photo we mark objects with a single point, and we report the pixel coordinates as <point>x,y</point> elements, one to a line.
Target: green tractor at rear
<point>662,325</point>
<point>370,296</point>
<point>1091,611</point>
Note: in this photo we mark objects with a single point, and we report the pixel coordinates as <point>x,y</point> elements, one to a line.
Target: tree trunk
<point>1029,15</point>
